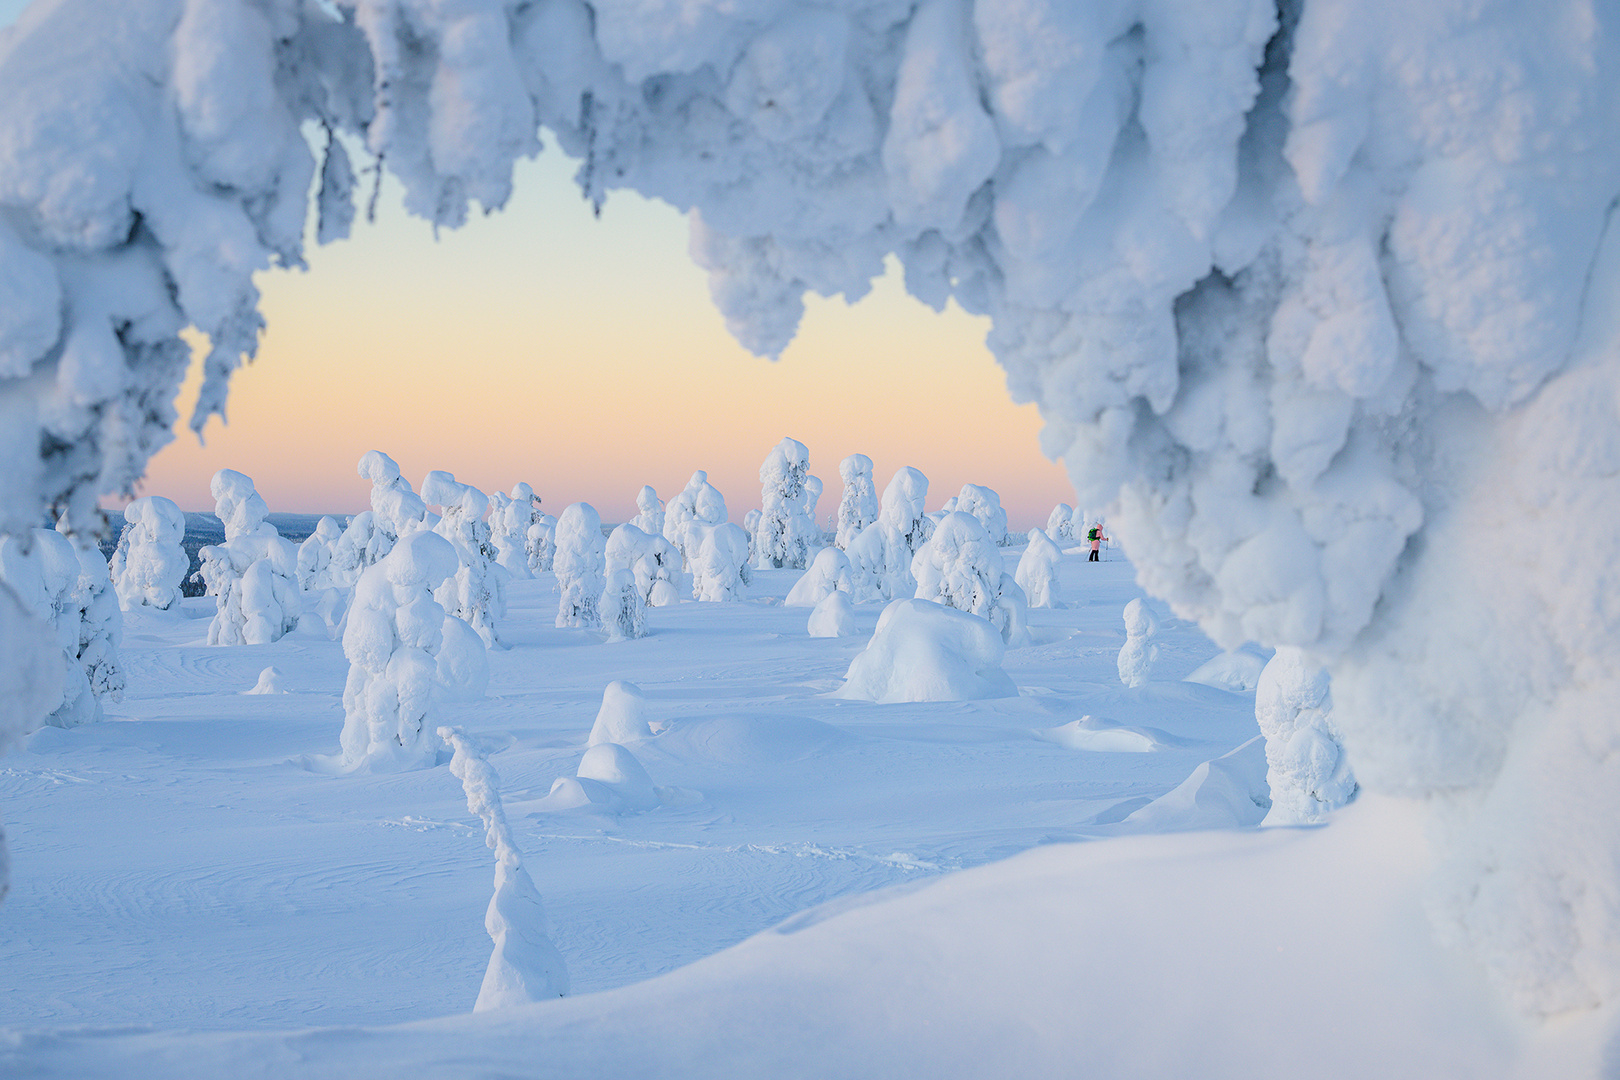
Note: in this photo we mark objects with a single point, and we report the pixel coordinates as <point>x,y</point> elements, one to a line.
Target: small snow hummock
<point>253,575</point>
<point>649,511</point>
<point>834,616</point>
<point>150,564</point>
<point>720,566</point>
<point>269,682</point>
<point>787,531</point>
<point>580,564</point>
<point>525,966</point>
<point>1228,792</point>
<point>651,559</point>
<point>829,572</point>
<point>1306,765</point>
<point>924,651</point>
<point>405,653</point>
<point>881,553</point>
<point>961,567</point>
<point>622,717</point>
<point>1137,655</point>
<point>610,780</point>
<point>1037,572</point>
<point>477,593</point>
<point>858,507</point>
<point>1237,671</point>
<point>984,504</point>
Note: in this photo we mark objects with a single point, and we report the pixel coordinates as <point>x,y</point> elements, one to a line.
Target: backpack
<point>1092,533</point>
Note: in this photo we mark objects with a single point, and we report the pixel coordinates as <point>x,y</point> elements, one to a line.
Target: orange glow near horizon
<point>585,357</point>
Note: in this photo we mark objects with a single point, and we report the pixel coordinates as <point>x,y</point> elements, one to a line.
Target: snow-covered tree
<point>1306,766</point>
<point>396,511</point>
<point>1139,652</point>
<point>829,572</point>
<point>720,568</point>
<point>580,562</point>
<point>315,557</point>
<point>541,543</point>
<point>689,514</point>
<point>44,571</point>
<point>476,593</point>
<point>651,559</point>
<point>1060,525</point>
<point>649,511</point>
<point>858,507</point>
<point>622,606</point>
<point>524,966</point>
<point>101,622</point>
<point>253,575</point>
<point>881,554</point>
<point>622,716</point>
<point>785,532</point>
<point>510,519</point>
<point>150,564</point>
<point>984,504</point>
<point>1037,572</point>
<point>961,567</point>
<point>813,487</point>
<point>406,654</point>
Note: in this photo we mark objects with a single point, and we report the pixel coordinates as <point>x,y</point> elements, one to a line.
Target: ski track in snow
<point>176,865</point>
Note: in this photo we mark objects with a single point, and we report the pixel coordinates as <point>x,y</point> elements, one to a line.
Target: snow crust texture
<point>1320,307</point>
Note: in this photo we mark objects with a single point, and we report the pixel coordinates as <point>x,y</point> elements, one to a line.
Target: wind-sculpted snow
<point>1320,307</point>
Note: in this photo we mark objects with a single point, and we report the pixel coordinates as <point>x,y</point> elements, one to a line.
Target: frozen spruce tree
<point>813,487</point>
<point>783,537</point>
<point>720,568</point>
<point>150,564</point>
<point>43,571</point>
<point>476,593</point>
<point>1139,652</point>
<point>580,562</point>
<point>651,559</point>
<point>510,519</point>
<point>253,575</point>
<point>984,504</point>
<point>1037,572</point>
<point>1306,765</point>
<point>524,966</point>
<point>622,606</point>
<point>881,554</point>
<point>649,511</point>
<point>396,511</point>
<point>406,654</point>
<point>1060,524</point>
<point>961,567</point>
<point>858,507</point>
<point>101,622</point>
<point>541,543</point>
<point>689,514</point>
<point>315,557</point>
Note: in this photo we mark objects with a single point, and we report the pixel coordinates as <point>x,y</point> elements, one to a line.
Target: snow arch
<point>1318,302</point>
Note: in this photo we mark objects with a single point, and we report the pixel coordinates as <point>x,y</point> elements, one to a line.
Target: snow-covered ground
<point>192,863</point>
<point>189,863</point>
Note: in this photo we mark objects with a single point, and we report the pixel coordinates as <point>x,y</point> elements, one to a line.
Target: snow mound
<point>269,682</point>
<point>617,769</point>
<point>834,616</point>
<point>1228,792</point>
<point>829,572</point>
<point>923,651</point>
<point>1088,734</point>
<point>622,716</point>
<point>763,739</point>
<point>1236,670</point>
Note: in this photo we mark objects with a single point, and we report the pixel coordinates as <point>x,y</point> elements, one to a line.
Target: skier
<point>1094,534</point>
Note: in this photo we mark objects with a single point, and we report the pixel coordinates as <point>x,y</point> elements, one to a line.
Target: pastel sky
<point>584,356</point>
